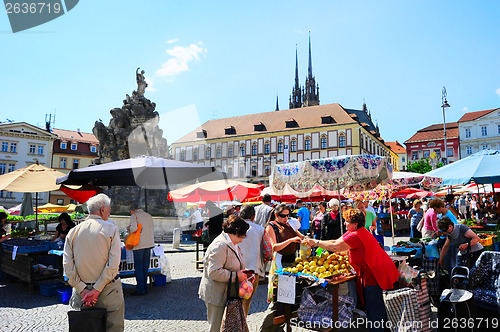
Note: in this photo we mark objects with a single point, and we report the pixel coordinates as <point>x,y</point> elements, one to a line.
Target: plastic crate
<point>187,237</point>
<point>486,242</point>
<point>64,295</point>
<point>159,280</point>
<point>50,288</point>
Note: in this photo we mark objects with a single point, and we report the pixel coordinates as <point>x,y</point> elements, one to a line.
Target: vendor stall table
<point>22,266</point>
<point>333,287</point>
<point>200,253</point>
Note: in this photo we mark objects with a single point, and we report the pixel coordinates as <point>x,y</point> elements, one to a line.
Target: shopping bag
<point>87,319</point>
<point>133,238</point>
<point>205,236</point>
<point>406,274</point>
<point>316,306</point>
<point>234,319</point>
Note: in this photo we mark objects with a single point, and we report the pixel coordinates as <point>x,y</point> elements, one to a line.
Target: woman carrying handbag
<point>223,263</point>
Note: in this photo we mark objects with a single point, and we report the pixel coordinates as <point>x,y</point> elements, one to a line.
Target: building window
<point>280,146</point>
<point>2,168</point>
<point>499,129</point>
<point>267,170</point>
<point>93,149</point>
<point>5,147</point>
<point>195,154</point>
<point>11,168</point>
<point>63,145</point>
<point>293,145</point>
<point>207,154</point>
<point>73,146</point>
<point>403,159</point>
<point>183,155</point>
<point>242,150</point>
<point>40,150</point>
<point>242,172</point>
<point>218,153</point>
<point>267,148</point>
<point>254,149</point>
<point>323,142</point>
<point>32,148</point>
<point>341,141</point>
<point>485,147</point>
<point>414,155</point>
<point>62,163</point>
<point>229,172</point>
<point>60,201</point>
<point>254,171</point>
<point>307,144</point>
<point>467,132</point>
<point>13,147</point>
<point>76,163</point>
<point>426,154</point>
<point>449,152</point>
<point>484,131</point>
<point>468,150</point>
<point>230,151</point>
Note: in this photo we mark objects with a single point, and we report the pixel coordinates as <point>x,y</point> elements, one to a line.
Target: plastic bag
<point>406,274</point>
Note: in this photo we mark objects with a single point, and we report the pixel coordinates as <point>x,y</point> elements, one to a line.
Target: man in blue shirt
<point>304,217</point>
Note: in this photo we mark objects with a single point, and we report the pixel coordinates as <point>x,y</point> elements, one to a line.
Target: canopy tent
<point>218,190</point>
<point>34,178</point>
<point>359,172</point>
<point>49,207</point>
<point>474,188</point>
<point>405,193</point>
<point>317,195</point>
<point>481,167</point>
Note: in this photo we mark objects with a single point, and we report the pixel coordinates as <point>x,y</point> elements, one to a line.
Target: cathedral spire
<point>296,68</point>
<point>309,68</point>
<point>277,105</point>
<point>296,97</point>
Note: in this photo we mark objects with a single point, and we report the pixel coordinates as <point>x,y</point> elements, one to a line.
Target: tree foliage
<point>421,166</point>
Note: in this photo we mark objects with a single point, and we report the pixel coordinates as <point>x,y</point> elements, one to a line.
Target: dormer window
<point>63,145</point>
<point>230,130</point>
<point>325,119</point>
<point>291,123</point>
<point>201,134</point>
<point>259,127</point>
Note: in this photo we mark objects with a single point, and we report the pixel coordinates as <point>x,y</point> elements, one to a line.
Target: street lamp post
<point>444,105</point>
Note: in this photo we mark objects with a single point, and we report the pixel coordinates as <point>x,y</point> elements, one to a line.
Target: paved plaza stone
<point>174,307</point>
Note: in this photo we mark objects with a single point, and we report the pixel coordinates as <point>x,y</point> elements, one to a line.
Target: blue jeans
<point>142,259</point>
<point>375,307</point>
<point>414,232</point>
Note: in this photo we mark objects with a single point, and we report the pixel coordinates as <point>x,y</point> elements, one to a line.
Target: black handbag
<point>87,319</point>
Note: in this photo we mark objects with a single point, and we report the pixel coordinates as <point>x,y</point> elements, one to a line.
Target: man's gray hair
<point>134,206</point>
<point>247,211</point>
<point>94,204</point>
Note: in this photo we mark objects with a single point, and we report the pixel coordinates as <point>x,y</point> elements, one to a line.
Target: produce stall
<point>297,288</point>
<point>24,257</point>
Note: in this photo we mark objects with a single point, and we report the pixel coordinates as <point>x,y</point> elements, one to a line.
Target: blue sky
<point>216,59</point>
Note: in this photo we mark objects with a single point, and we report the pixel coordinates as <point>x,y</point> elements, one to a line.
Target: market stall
<point>354,172</point>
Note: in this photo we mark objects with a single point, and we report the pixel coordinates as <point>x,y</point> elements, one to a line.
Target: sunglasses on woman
<point>281,215</point>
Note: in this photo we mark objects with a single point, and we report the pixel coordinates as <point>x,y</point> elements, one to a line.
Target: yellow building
<point>247,147</point>
<point>72,150</point>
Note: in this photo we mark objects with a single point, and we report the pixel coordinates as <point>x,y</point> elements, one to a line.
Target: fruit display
<point>322,266</point>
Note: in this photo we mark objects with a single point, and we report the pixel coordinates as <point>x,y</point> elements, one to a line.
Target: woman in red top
<point>374,268</point>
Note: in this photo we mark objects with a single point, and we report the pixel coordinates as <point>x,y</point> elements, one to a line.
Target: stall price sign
<point>286,289</point>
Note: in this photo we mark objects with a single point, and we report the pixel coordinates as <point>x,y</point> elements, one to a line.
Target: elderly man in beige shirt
<point>91,260</point>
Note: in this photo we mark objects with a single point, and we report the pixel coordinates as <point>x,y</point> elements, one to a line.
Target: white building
<point>479,131</point>
<point>22,144</point>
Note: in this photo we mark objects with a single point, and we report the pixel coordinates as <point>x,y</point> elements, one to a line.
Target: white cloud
<point>171,41</point>
<point>181,56</point>
<point>498,92</point>
<point>151,84</point>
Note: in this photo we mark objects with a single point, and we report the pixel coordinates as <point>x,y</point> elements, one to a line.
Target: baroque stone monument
<point>133,131</point>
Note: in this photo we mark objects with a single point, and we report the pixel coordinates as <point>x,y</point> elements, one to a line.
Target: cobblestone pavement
<point>174,307</point>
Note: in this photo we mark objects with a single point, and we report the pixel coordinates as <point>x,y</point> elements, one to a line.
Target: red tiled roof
<point>435,132</point>
<point>474,115</point>
<point>77,136</point>
<point>396,147</point>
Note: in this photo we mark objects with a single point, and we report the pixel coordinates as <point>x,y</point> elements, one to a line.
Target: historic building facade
<point>72,150</point>
<point>431,139</point>
<point>400,151</point>
<point>22,144</point>
<point>479,131</point>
